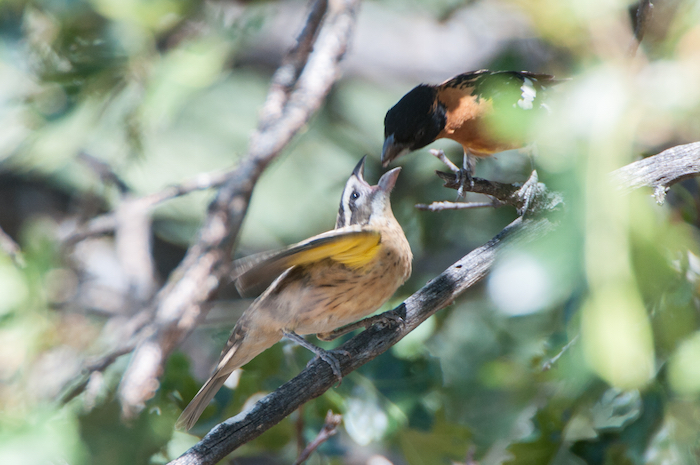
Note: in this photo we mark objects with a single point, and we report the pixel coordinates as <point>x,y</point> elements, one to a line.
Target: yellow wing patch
<point>353,250</point>
<point>351,246</point>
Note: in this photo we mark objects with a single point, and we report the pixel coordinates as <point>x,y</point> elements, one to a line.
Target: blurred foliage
<point>581,347</point>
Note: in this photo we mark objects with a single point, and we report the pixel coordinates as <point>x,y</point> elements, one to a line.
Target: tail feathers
<point>194,409</point>
<point>244,344</point>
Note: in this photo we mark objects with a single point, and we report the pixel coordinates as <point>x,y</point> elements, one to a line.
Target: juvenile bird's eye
<point>355,195</point>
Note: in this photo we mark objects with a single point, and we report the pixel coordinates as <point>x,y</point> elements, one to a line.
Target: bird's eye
<point>355,195</point>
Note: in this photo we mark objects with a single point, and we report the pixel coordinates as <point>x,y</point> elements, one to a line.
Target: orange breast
<point>466,123</point>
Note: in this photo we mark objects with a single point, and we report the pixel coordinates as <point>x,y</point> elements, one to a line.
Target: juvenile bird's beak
<point>392,150</point>
<point>359,170</point>
<point>388,180</point>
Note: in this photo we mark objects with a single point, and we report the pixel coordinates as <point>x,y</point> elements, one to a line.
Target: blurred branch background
<point>104,101</point>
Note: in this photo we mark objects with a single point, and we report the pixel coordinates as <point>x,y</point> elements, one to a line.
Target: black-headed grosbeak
<point>318,285</point>
<point>485,111</point>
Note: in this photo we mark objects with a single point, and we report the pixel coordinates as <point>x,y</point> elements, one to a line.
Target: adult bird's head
<point>414,122</point>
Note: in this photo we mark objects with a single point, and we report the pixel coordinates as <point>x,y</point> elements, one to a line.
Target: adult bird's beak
<point>392,150</point>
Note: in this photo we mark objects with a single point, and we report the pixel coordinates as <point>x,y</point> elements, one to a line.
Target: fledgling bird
<point>318,285</point>
<point>485,111</point>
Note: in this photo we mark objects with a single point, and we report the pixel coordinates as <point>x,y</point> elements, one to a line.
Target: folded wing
<point>352,246</point>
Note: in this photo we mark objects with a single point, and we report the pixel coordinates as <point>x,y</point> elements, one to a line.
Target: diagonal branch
<point>10,247</point>
<point>107,223</point>
<point>179,305</point>
<point>664,169</point>
<point>660,171</point>
<point>318,377</point>
<point>328,430</point>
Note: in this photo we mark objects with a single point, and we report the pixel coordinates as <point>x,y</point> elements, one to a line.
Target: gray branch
<point>318,377</point>
<point>180,304</point>
<point>664,169</point>
<point>660,171</point>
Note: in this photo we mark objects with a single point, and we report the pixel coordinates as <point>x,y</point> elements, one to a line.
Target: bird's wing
<point>352,246</point>
<point>503,88</point>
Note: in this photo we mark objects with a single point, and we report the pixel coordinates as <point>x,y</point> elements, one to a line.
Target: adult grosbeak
<point>485,111</point>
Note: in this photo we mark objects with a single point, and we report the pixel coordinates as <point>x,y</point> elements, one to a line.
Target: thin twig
<point>329,429</point>
<point>299,429</point>
<point>318,377</point>
<point>104,171</point>
<point>12,249</point>
<point>107,223</point>
<point>546,366</point>
<point>440,206</point>
<point>531,197</point>
<point>660,171</point>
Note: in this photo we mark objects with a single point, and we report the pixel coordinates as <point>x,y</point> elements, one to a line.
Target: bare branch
<point>104,171</point>
<point>329,429</point>
<point>660,171</point>
<point>179,305</point>
<point>11,248</point>
<point>546,366</point>
<point>440,206</point>
<point>437,294</point>
<point>107,223</point>
<point>318,377</point>
<point>132,239</point>
<point>531,197</point>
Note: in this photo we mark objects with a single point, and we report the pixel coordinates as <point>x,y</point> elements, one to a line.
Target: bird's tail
<point>248,339</point>
<point>194,409</point>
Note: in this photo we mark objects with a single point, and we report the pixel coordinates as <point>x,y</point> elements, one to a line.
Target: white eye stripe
<point>347,204</point>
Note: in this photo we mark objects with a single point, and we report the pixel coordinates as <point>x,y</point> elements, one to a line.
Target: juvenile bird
<point>485,111</point>
<point>318,285</point>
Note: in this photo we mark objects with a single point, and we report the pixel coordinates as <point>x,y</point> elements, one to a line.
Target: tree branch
<point>107,223</point>
<point>318,377</point>
<point>179,305</point>
<point>329,429</point>
<point>660,171</point>
<point>532,197</point>
<point>11,248</point>
<point>665,168</point>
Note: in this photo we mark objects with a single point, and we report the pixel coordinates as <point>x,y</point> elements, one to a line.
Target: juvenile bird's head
<point>414,122</point>
<point>361,203</point>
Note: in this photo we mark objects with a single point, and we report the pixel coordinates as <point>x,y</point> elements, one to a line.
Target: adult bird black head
<point>485,111</point>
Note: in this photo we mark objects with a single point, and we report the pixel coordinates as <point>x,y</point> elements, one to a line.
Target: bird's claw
<point>324,355</point>
<point>464,175</point>
<point>332,361</point>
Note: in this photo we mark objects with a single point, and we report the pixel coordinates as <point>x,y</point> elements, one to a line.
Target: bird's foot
<point>325,355</point>
<point>464,174</point>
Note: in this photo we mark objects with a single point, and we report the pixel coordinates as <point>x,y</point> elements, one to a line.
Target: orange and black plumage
<point>485,111</point>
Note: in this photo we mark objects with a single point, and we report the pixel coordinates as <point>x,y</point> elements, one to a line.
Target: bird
<point>318,285</point>
<point>485,111</point>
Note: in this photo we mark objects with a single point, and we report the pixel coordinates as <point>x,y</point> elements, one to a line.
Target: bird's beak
<point>392,150</point>
<point>359,170</point>
<point>388,180</point>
